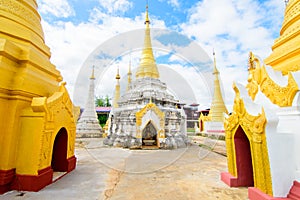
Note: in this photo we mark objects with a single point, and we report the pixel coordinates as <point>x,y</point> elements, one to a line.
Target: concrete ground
<point>116,173</point>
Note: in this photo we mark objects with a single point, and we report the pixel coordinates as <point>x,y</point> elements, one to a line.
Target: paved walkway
<point>116,173</point>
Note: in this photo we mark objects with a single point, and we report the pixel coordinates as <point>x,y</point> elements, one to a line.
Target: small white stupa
<point>88,124</point>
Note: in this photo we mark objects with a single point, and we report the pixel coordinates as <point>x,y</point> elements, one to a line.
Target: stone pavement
<point>116,173</point>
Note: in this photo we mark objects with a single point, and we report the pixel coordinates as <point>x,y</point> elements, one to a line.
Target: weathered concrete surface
<point>195,175</point>
<point>215,145</point>
<point>116,173</point>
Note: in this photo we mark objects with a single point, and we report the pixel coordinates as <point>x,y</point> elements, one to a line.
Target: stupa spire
<point>129,76</point>
<point>93,73</point>
<point>216,71</point>
<point>88,124</point>
<point>147,21</point>
<point>218,107</point>
<point>117,90</point>
<point>147,66</point>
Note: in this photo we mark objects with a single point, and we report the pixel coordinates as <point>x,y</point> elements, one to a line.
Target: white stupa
<point>88,124</point>
<point>146,115</point>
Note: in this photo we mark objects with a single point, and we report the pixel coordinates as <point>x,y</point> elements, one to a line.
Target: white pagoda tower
<point>88,124</point>
<point>146,115</point>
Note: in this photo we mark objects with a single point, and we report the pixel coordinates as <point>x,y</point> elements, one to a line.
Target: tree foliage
<point>103,101</point>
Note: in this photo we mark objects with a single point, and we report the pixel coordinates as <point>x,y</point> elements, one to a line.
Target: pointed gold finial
<point>216,71</point>
<point>117,91</point>
<point>118,77</point>
<point>147,66</point>
<point>286,2</point>
<point>93,73</point>
<point>129,75</point>
<point>129,68</point>
<point>147,21</point>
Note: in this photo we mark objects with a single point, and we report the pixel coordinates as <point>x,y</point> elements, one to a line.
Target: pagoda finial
<point>147,21</point>
<point>117,91</point>
<point>286,2</point>
<point>93,73</point>
<point>129,75</point>
<point>215,63</point>
<point>118,77</point>
<point>147,66</point>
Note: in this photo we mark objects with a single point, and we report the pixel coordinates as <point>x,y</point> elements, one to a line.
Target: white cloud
<point>71,43</point>
<point>58,8</point>
<point>115,6</point>
<point>174,3</point>
<point>233,28</point>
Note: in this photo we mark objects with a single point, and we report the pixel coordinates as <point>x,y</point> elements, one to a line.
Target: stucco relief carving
<point>157,111</point>
<point>259,79</point>
<point>254,128</point>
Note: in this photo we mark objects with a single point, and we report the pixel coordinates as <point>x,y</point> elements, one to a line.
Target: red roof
<point>103,109</point>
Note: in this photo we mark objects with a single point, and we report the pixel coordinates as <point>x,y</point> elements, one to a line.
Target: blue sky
<point>75,28</point>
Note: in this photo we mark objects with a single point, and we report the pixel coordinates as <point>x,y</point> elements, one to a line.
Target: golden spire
<point>217,107</point>
<point>118,77</point>
<point>282,58</point>
<point>129,76</point>
<point>216,71</point>
<point>147,66</point>
<point>147,21</point>
<point>117,91</point>
<point>286,2</point>
<point>93,73</point>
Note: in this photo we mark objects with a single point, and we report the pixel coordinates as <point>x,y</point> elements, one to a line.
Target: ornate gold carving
<point>205,118</point>
<point>291,13</point>
<point>161,115</point>
<point>259,79</point>
<point>56,108</point>
<point>138,134</point>
<point>17,9</point>
<point>254,128</point>
<point>161,134</point>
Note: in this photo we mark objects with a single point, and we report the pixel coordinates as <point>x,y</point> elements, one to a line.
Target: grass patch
<point>214,137</point>
<point>190,130</point>
<point>206,147</point>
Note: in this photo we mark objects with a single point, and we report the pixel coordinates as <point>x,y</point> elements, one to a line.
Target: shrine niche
<point>247,153</point>
<point>150,125</point>
<point>149,135</point>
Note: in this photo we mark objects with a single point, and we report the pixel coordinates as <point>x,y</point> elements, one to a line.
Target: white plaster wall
<point>281,158</point>
<point>213,126</point>
<point>283,131</point>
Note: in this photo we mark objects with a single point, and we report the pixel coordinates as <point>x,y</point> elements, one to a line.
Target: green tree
<point>107,101</point>
<point>102,102</point>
